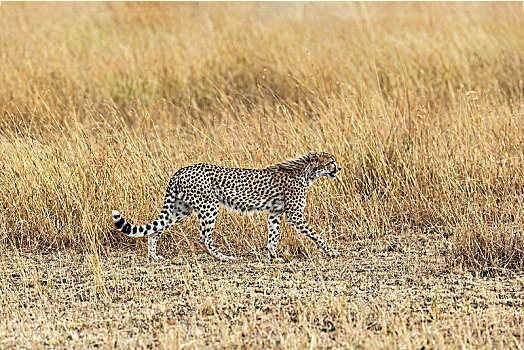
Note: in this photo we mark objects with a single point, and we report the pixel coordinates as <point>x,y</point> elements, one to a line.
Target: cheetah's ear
<point>312,155</point>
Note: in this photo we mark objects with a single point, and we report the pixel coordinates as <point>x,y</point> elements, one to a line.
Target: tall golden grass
<point>422,105</point>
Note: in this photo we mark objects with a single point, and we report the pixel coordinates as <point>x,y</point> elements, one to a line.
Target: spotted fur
<point>279,189</point>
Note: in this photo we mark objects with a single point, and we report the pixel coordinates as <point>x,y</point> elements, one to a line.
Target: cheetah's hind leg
<point>207,219</point>
<point>179,211</point>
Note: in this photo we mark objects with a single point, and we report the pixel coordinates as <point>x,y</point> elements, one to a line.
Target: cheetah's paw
<point>156,258</point>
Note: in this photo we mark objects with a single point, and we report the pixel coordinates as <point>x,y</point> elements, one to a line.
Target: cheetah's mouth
<point>332,176</point>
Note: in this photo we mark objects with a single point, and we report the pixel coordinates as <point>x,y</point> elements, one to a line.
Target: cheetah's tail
<point>162,222</point>
<point>158,225</point>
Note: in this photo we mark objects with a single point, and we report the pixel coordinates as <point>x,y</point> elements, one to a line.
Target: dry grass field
<point>421,103</point>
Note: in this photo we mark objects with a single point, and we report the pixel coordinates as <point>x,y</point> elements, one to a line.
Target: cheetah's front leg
<point>273,224</point>
<point>299,223</point>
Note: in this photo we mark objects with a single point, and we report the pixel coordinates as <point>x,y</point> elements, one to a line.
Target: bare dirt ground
<point>397,292</point>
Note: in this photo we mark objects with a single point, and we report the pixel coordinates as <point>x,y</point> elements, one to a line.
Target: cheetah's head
<point>322,164</point>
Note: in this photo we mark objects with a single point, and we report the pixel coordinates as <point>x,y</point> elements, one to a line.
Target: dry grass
<point>422,104</point>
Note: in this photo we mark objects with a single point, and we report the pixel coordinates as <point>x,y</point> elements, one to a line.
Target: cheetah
<point>279,189</point>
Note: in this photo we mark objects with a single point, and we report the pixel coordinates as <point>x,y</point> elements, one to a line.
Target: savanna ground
<point>422,105</point>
